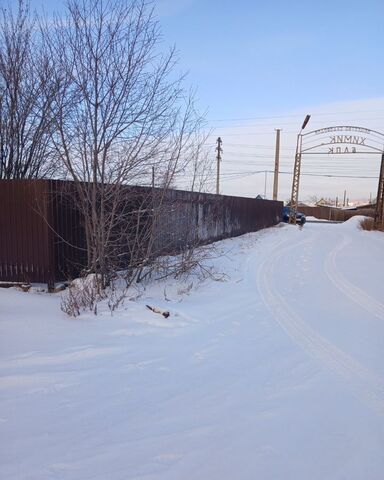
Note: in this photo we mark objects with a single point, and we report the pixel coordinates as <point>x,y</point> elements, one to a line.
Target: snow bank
<point>272,369</point>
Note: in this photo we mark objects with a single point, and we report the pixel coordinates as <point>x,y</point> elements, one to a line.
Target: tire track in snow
<point>366,385</point>
<point>350,290</point>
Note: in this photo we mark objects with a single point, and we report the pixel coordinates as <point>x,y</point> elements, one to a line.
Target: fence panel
<point>26,253</point>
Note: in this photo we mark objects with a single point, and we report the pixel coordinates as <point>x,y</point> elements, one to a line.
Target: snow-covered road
<point>275,371</point>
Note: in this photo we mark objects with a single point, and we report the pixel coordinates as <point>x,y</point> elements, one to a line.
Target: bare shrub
<point>82,295</point>
<point>193,261</point>
<point>367,223</point>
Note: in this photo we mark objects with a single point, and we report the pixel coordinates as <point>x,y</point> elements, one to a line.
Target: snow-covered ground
<point>274,371</point>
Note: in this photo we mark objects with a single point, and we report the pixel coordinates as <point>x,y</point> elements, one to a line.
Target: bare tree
<point>121,110</point>
<point>26,97</point>
<point>202,166</point>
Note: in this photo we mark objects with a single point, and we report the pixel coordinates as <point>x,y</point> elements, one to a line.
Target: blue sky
<point>259,57</point>
<point>248,57</point>
<point>279,60</point>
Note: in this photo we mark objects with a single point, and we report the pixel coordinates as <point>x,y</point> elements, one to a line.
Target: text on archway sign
<point>336,142</point>
<point>354,140</point>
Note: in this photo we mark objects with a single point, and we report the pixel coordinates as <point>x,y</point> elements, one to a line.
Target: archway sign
<point>339,140</point>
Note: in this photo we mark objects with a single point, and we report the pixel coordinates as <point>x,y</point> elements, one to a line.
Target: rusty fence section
<point>42,237</point>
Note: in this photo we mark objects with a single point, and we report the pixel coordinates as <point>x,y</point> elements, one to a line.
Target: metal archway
<point>339,140</point>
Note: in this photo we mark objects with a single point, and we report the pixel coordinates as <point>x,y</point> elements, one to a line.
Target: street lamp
<point>306,120</point>
<point>296,174</point>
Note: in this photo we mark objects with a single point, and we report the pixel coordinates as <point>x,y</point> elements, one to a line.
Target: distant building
<point>323,202</point>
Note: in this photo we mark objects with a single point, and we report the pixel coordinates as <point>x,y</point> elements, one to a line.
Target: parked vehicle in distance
<point>300,217</point>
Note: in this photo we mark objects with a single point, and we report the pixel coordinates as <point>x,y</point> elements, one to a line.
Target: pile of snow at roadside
<point>271,369</point>
<point>310,217</point>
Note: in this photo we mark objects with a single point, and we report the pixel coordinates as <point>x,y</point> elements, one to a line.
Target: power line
<point>253,133</point>
<point>330,175</point>
<point>294,115</point>
<point>307,174</point>
<point>248,145</point>
<point>282,124</point>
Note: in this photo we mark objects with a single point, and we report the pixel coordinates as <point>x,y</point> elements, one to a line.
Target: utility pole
<point>218,158</point>
<point>345,196</point>
<point>379,212</point>
<point>277,161</point>
<point>153,177</point>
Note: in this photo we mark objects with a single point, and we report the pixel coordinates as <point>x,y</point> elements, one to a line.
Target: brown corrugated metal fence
<point>336,214</point>
<point>42,233</point>
<point>25,240</point>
